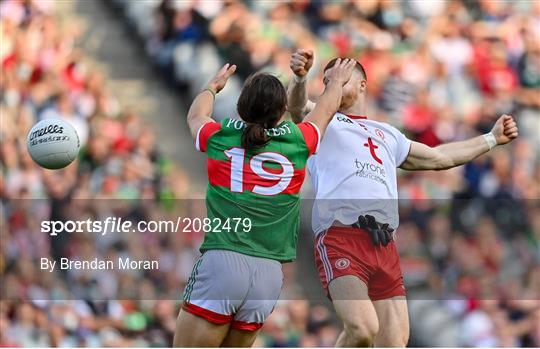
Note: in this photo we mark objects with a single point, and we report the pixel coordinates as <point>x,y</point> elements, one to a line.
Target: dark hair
<point>261,104</point>
<point>358,66</point>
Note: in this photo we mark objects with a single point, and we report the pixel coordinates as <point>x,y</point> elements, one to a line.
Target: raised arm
<point>202,107</point>
<point>445,156</point>
<point>298,103</point>
<point>329,102</point>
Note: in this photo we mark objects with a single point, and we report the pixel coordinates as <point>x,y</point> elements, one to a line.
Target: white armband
<point>300,79</point>
<point>490,140</point>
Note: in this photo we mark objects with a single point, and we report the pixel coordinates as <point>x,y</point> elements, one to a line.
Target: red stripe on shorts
<point>246,326</point>
<point>208,315</point>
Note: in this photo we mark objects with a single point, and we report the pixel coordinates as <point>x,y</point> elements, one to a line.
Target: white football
<point>53,143</point>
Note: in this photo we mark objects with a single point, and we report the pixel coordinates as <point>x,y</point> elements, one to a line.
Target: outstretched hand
<point>301,62</point>
<point>219,81</point>
<point>505,129</point>
<point>341,71</point>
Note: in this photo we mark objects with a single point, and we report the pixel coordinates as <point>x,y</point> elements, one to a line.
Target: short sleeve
<point>403,146</point>
<point>205,132</point>
<point>312,136</point>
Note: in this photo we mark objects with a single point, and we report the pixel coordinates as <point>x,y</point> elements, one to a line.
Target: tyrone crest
<point>342,263</point>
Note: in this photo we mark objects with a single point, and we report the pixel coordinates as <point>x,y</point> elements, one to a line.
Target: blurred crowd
<point>120,172</point>
<point>439,70</point>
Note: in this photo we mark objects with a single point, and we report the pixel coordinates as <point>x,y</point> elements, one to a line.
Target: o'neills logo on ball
<point>342,263</point>
<point>46,130</point>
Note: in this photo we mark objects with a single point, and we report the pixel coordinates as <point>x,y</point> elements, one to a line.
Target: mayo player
<point>256,167</point>
<point>355,214</point>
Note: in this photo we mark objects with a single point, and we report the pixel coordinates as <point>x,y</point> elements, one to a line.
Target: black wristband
<point>211,91</point>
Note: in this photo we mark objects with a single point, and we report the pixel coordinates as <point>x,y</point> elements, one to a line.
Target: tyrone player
<point>355,212</point>
<point>255,170</point>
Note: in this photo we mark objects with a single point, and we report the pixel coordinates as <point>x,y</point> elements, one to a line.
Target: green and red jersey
<point>261,185</point>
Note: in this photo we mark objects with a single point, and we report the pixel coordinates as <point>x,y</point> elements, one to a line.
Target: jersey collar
<point>356,117</point>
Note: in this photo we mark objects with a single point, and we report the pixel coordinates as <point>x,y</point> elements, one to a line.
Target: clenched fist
<point>301,62</point>
<point>505,129</point>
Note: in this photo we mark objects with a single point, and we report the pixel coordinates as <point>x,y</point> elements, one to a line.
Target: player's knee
<point>404,338</point>
<point>362,332</point>
<point>392,340</point>
<point>396,342</point>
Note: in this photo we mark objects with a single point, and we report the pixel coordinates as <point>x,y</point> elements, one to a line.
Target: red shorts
<point>341,251</point>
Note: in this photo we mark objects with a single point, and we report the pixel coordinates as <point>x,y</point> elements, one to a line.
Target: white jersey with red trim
<point>354,172</point>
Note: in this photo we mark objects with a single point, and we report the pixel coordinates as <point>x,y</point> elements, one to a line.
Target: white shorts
<point>230,287</point>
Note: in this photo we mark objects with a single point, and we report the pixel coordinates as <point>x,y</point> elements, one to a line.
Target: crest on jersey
<point>342,263</point>
<point>372,147</point>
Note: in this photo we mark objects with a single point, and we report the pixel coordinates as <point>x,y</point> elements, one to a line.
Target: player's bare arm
<point>202,107</point>
<point>298,103</point>
<point>445,156</point>
<point>330,100</point>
